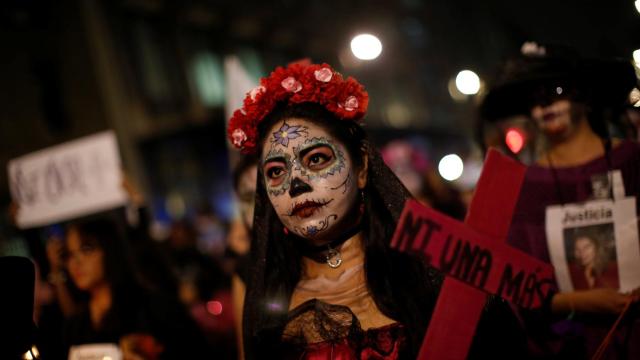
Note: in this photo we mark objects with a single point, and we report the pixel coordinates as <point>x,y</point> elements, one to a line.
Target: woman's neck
<point>99,303</point>
<point>351,252</point>
<point>580,147</point>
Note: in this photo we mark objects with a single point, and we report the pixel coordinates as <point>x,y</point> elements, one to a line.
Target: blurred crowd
<point>112,277</point>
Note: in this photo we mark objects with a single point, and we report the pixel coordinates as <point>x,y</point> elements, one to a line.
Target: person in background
<point>239,239</point>
<point>113,305</point>
<point>203,287</point>
<point>568,99</point>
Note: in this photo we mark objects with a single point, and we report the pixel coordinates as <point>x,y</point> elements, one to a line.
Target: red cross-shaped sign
<point>474,257</point>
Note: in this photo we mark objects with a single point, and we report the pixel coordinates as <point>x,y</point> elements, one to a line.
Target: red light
<point>214,307</point>
<point>514,140</point>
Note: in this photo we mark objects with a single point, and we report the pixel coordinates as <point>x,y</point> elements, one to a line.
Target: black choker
<point>328,253</point>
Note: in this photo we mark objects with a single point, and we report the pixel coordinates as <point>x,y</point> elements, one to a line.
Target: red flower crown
<point>295,84</point>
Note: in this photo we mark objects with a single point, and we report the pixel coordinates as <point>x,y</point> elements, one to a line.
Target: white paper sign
<point>95,352</point>
<point>76,178</point>
<point>595,244</point>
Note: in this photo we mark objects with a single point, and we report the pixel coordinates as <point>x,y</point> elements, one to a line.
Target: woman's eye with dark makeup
<point>275,173</point>
<point>318,158</point>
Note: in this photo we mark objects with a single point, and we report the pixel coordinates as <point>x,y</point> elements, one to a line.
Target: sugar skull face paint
<point>310,179</point>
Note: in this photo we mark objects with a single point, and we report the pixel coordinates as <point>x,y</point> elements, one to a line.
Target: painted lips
<point>307,208</point>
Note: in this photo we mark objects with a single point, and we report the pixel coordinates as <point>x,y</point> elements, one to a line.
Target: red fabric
<point>385,343</point>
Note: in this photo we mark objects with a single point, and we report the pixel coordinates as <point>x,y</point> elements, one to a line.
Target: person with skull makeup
<point>571,101</point>
<point>323,280</point>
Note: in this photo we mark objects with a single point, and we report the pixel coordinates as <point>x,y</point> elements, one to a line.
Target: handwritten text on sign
<point>68,180</point>
<point>464,254</point>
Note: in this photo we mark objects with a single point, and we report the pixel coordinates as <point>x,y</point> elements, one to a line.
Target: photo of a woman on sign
<point>591,257</point>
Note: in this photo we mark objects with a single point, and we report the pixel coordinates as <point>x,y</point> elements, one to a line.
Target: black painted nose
<point>298,187</point>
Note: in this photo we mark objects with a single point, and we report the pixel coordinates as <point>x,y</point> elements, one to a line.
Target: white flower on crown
<point>531,48</point>
<point>291,84</point>
<point>239,137</point>
<point>350,104</point>
<point>255,91</point>
<point>324,74</point>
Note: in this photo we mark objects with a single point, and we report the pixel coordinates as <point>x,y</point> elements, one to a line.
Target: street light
<point>366,47</point>
<point>468,82</point>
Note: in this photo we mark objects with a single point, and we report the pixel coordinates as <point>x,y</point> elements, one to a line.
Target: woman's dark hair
<point>393,278</point>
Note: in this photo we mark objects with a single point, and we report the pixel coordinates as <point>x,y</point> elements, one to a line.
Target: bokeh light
<point>456,95</point>
<point>366,47</point>
<point>450,167</point>
<point>468,82</point>
<point>214,307</point>
<point>636,56</point>
<point>514,140</point>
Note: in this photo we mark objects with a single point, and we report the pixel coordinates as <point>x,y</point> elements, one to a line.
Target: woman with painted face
<point>324,282</point>
<point>571,101</point>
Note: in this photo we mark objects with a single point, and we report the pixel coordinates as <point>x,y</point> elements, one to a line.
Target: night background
<point>153,71</point>
<point>165,75</point>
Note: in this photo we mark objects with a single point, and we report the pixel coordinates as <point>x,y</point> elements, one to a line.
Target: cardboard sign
<point>95,352</point>
<point>595,243</point>
<point>471,257</point>
<point>76,178</point>
<point>473,252</point>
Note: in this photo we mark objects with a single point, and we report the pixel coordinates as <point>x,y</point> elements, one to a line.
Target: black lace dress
<point>316,330</point>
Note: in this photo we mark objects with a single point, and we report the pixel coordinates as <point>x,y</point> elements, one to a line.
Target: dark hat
<point>598,82</point>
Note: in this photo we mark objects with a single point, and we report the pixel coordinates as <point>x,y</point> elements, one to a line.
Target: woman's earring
<point>361,202</point>
<point>285,231</point>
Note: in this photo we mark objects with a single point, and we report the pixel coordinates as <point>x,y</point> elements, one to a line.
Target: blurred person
<point>203,287</point>
<point>211,233</point>
<point>153,263</point>
<point>113,305</point>
<point>52,300</point>
<point>567,98</point>
<point>56,297</point>
<point>199,275</point>
<point>239,239</point>
<point>323,281</point>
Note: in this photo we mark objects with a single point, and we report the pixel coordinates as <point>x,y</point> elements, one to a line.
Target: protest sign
<point>474,258</point>
<point>76,178</point>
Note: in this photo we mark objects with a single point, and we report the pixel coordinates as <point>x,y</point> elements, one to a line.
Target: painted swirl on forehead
<point>313,230</point>
<point>336,167</point>
<point>286,182</point>
<point>286,133</point>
